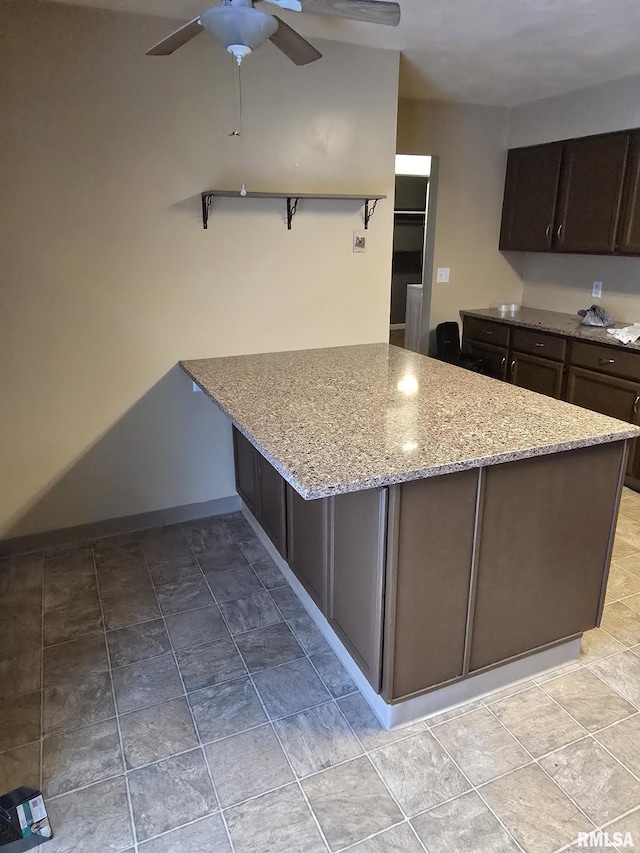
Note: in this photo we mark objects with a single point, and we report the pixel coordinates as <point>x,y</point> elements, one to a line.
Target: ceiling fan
<point>242,28</point>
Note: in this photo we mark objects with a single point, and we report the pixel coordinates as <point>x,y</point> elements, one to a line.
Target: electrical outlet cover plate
<point>596,290</point>
<point>443,275</point>
<point>359,241</point>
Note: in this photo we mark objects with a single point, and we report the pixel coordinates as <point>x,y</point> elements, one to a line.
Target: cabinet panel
<point>273,516</point>
<point>610,360</point>
<point>495,356</point>
<point>486,331</point>
<point>538,514</point>
<point>246,465</point>
<point>531,190</point>
<point>308,533</point>
<point>538,343</point>
<point>605,394</point>
<point>537,374</point>
<point>590,193</point>
<point>428,579</point>
<point>629,235</point>
<point>356,579</point>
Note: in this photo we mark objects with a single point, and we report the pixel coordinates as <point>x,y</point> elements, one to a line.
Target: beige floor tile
<point>480,746</point>
<point>589,701</point>
<point>508,691</point>
<point>629,532</point>
<point>630,564</point>
<point>203,836</point>
<point>419,773</point>
<point>20,766</point>
<point>537,721</point>
<point>597,644</point>
<point>629,824</point>
<point>621,584</point>
<point>622,622</point>
<point>535,811</point>
<point>594,780</point>
<point>622,549</point>
<point>398,839</point>
<point>366,725</point>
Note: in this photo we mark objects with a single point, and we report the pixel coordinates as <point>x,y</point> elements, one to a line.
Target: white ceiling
<point>502,52</point>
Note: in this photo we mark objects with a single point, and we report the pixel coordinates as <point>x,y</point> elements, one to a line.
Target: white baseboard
<point>428,704</point>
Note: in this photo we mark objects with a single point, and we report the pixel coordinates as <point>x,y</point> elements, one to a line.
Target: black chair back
<point>448,341</point>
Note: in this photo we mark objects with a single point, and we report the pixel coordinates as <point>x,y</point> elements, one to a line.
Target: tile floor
<point>170,695</point>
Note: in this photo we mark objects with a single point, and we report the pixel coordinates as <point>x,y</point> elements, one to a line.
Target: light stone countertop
<point>554,322</point>
<point>344,419</point>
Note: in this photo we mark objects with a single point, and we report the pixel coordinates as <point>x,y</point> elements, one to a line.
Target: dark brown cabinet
<point>577,196</point>
<point>531,191</point>
<point>537,374</point>
<point>262,489</point>
<point>591,193</point>
<point>357,576</point>
<point>496,357</point>
<point>308,544</point>
<point>629,235</point>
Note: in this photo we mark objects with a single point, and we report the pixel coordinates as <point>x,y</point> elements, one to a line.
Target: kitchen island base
<point>443,699</point>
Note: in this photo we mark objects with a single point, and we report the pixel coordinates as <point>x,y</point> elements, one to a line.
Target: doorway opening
<point>410,220</point>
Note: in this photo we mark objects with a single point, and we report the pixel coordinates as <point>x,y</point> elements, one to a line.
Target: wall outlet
<point>596,290</point>
<point>359,241</point>
<point>443,275</point>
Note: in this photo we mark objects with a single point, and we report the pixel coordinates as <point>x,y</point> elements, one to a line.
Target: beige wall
<point>564,282</point>
<point>108,278</point>
<point>469,143</point>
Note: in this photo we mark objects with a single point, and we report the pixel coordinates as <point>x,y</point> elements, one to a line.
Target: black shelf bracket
<point>292,209</point>
<point>207,204</point>
<point>369,210</point>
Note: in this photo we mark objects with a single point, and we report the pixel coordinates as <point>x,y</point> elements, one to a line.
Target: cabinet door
<point>308,541</point>
<point>629,235</point>
<point>273,516</point>
<point>495,356</point>
<point>246,465</point>
<point>530,194</point>
<point>356,576</point>
<point>590,193</point>
<point>608,395</point>
<point>537,374</point>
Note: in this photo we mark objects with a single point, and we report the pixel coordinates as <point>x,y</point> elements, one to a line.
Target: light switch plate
<point>359,241</point>
<point>443,275</point>
<point>596,290</point>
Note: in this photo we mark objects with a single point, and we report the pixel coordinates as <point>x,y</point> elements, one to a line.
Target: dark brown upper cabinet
<point>530,196</point>
<point>578,196</point>
<point>590,193</point>
<point>629,234</point>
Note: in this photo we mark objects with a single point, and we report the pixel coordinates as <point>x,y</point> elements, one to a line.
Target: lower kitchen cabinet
<point>537,374</point>
<point>308,544</point>
<point>357,576</point>
<point>496,357</point>
<point>431,533</point>
<point>262,489</point>
<point>537,514</point>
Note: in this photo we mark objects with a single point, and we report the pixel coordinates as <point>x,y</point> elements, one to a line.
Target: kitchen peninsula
<point>448,533</point>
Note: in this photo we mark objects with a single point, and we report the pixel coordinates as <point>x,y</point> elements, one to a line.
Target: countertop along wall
<point>563,282</point>
<point>108,278</point>
<point>468,141</point>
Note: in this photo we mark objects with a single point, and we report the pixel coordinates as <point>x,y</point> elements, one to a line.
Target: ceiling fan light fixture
<point>241,29</point>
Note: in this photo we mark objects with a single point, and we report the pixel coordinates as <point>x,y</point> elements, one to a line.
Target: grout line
<point>115,705</point>
<point>177,666</point>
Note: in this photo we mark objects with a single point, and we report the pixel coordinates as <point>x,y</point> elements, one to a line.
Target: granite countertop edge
<point>383,480</point>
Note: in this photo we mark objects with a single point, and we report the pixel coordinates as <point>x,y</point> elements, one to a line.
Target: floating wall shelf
<point>370,202</point>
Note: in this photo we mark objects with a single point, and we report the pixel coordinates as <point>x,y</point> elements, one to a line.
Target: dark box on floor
<point>24,823</point>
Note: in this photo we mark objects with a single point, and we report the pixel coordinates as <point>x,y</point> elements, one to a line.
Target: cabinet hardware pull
<point>488,332</point>
<point>539,345</point>
<point>607,360</point>
<point>559,231</point>
<point>547,231</point>
<point>513,366</point>
<point>503,361</point>
<point>635,405</point>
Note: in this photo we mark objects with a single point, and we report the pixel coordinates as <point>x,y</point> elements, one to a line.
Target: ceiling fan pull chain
<point>243,190</point>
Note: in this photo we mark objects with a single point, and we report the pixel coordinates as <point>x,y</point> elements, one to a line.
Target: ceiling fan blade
<point>373,11</point>
<point>291,43</point>
<point>177,39</point>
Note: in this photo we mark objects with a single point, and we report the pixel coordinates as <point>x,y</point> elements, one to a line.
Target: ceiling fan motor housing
<point>239,27</point>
